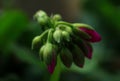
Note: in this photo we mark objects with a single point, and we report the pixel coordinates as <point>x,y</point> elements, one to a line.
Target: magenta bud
<point>90,50</point>
<point>95,37</point>
<point>51,66</point>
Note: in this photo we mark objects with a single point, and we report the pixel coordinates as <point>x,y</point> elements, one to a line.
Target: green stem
<point>44,33</point>
<point>63,23</point>
<point>49,38</point>
<point>56,75</point>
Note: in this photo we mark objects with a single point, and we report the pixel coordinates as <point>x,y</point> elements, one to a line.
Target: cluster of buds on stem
<point>70,41</point>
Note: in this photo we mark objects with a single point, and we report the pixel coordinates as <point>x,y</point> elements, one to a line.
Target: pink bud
<point>95,37</point>
<point>51,66</point>
<point>90,50</point>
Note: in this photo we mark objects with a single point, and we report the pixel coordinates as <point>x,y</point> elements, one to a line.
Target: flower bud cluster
<point>70,41</point>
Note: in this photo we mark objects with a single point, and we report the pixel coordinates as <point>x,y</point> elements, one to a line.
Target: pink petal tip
<point>95,37</point>
<point>51,67</point>
<point>90,51</point>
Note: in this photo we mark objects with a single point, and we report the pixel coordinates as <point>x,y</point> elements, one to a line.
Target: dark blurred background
<point>17,29</point>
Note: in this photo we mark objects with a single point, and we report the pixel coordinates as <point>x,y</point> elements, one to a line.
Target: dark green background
<point>17,29</point>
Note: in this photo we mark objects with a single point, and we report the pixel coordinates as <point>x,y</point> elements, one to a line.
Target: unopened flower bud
<point>52,65</point>
<point>78,56</point>
<point>88,32</point>
<point>49,51</point>
<point>41,52</point>
<point>81,34</point>
<point>41,17</point>
<point>36,42</point>
<point>66,35</point>
<point>65,28</point>
<point>57,35</point>
<point>68,29</point>
<point>95,37</point>
<point>90,50</point>
<point>84,46</point>
<point>50,56</point>
<point>66,57</point>
<point>57,17</point>
<point>81,44</point>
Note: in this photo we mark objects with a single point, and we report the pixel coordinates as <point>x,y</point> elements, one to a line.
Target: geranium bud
<point>90,50</point>
<point>41,52</point>
<point>78,56</point>
<point>66,35</point>
<point>52,65</point>
<point>66,57</point>
<point>80,33</point>
<point>68,29</point>
<point>37,41</point>
<point>95,37</point>
<point>41,17</point>
<point>57,35</point>
<point>84,46</point>
<point>81,44</point>
<point>65,28</point>
<point>49,56</point>
<point>57,17</point>
<point>48,52</point>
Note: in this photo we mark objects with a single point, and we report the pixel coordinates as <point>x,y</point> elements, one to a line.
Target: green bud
<point>37,41</point>
<point>65,28</point>
<point>66,57</point>
<point>57,17</point>
<point>41,17</point>
<point>57,35</point>
<point>66,35</point>
<point>78,56</point>
<point>68,29</point>
<point>41,52</point>
<point>49,52</point>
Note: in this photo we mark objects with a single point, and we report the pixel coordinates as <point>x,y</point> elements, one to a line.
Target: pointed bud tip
<point>51,66</point>
<point>95,37</point>
<point>50,70</point>
<point>89,57</point>
<point>90,50</point>
<point>82,65</point>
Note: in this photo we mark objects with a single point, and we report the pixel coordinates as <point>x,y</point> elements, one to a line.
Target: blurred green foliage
<point>12,24</point>
<point>19,63</point>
